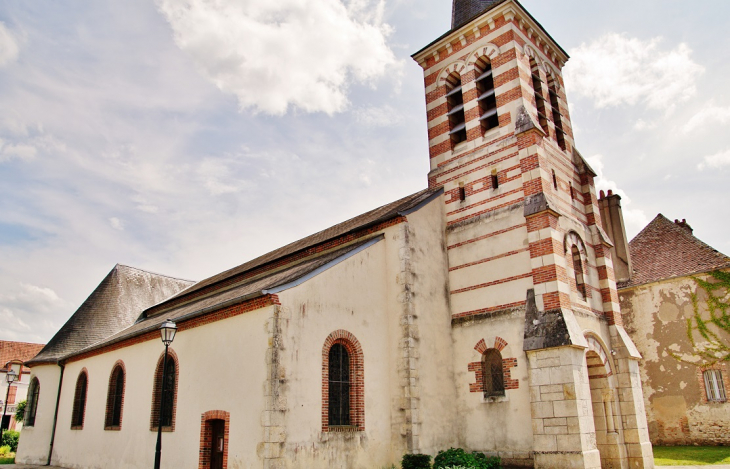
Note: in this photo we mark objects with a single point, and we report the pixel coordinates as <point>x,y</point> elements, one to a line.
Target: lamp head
<point>10,377</point>
<point>167,332</point>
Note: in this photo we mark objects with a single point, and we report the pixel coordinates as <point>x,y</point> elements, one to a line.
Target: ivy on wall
<point>711,326</point>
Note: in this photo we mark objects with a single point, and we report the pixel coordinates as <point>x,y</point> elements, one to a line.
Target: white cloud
<point>383,116</point>
<point>635,219</point>
<point>641,124</point>
<point>718,160</point>
<point>8,46</point>
<point>116,223</point>
<point>16,152</point>
<point>276,54</point>
<point>22,310</point>
<point>709,114</point>
<point>616,69</point>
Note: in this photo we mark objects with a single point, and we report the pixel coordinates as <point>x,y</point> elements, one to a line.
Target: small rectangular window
<point>714,386</point>
<point>462,192</point>
<point>555,180</point>
<point>495,181</point>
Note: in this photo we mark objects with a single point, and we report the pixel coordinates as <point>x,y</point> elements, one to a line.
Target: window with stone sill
<point>714,386</point>
<point>115,399</point>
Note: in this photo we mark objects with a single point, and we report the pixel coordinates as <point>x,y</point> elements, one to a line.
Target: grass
<point>691,455</point>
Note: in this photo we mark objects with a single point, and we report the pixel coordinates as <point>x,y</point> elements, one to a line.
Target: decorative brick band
<point>495,282</point>
<point>357,380</point>
<point>207,445</point>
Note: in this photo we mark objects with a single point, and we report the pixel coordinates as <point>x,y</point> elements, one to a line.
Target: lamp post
<point>167,334</point>
<point>10,378</point>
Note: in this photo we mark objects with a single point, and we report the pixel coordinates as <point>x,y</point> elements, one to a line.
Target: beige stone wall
<point>655,316</point>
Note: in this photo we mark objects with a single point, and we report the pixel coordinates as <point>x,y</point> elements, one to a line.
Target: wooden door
<point>217,431</point>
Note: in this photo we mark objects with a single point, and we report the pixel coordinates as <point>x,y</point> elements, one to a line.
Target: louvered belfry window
<point>493,373</point>
<point>79,407</point>
<point>339,386</point>
<point>455,102</point>
<point>557,117</point>
<point>539,98</point>
<point>486,97</point>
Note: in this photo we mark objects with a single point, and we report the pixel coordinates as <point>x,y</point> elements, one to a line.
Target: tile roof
<point>666,249</point>
<point>113,306</point>
<point>360,222</point>
<point>252,288</point>
<point>22,351</point>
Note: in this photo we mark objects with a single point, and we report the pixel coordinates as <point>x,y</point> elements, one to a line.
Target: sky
<point>188,136</point>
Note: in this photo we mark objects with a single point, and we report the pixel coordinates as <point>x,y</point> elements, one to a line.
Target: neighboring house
<point>12,356</point>
<point>686,403</point>
<point>480,312</point>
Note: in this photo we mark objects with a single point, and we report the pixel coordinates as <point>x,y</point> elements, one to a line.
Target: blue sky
<point>186,137</point>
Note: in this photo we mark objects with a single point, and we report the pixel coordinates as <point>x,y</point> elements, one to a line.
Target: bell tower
<point>529,262</point>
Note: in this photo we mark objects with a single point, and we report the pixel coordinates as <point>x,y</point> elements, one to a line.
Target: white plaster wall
<point>436,390</point>
<point>504,425</point>
<point>35,441</point>
<point>222,366</point>
<point>353,296</point>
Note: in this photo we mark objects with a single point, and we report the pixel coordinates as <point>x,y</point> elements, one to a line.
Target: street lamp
<point>167,334</point>
<point>10,378</point>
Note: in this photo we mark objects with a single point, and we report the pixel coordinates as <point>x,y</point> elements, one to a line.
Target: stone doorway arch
<point>606,411</point>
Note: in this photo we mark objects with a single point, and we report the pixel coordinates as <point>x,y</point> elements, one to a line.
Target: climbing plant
<point>712,326</point>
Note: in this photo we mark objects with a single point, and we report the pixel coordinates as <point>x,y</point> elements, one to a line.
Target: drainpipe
<point>55,415</point>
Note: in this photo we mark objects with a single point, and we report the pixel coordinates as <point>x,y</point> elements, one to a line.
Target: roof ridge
<point>152,273</point>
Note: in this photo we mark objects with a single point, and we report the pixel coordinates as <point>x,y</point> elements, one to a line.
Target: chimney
<point>613,223</point>
<point>684,225</point>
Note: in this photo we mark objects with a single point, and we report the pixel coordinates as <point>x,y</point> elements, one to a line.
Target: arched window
<point>578,271</point>
<point>342,383</point>
<point>455,102</point>
<point>493,373</point>
<point>115,399</point>
<point>169,389</point>
<point>32,406</point>
<point>539,98</point>
<point>486,95</point>
<point>79,407</point>
<point>557,117</point>
<point>339,386</point>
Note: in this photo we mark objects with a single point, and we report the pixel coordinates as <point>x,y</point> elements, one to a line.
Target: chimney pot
<point>602,194</point>
<point>610,192</point>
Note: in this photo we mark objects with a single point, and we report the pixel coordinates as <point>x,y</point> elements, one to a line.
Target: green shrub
<point>4,450</point>
<point>20,411</point>
<point>416,461</point>
<point>10,438</point>
<point>458,457</point>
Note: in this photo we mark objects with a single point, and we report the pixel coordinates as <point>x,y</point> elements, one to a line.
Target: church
<point>481,312</point>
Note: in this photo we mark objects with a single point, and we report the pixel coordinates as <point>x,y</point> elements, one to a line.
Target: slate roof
<point>252,288</point>
<point>113,306</point>
<point>22,351</point>
<point>463,8</point>
<point>360,222</point>
<point>666,249</point>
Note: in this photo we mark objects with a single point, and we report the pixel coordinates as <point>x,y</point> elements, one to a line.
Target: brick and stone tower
<point>530,265</point>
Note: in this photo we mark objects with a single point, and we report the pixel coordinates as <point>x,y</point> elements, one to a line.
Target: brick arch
<point>81,396</point>
<point>488,51</point>
<point>572,238</point>
<point>456,67</point>
<point>357,373</point>
<point>499,345</point>
<point>111,391</point>
<point>155,411</point>
<point>206,437</point>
